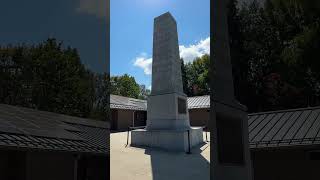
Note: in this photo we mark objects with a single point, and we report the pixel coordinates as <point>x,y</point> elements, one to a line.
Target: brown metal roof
<point>120,102</point>
<point>29,128</point>
<point>291,127</point>
<point>199,102</point>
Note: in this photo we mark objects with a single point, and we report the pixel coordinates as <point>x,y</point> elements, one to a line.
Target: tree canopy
<point>127,86</point>
<point>48,76</point>
<point>195,76</point>
<point>275,52</point>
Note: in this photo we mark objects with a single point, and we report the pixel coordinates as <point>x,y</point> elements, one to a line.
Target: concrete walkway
<point>129,163</point>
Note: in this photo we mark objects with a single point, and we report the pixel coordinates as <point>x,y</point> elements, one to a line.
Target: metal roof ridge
<point>89,120</point>
<point>198,96</point>
<point>284,110</point>
<point>145,100</point>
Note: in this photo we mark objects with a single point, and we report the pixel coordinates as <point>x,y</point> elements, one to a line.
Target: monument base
<point>172,140</point>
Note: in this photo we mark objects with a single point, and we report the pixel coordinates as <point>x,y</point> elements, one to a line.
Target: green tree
<point>144,92</point>
<point>101,108</point>
<point>125,85</point>
<point>276,42</point>
<point>184,77</point>
<point>61,83</point>
<point>46,76</point>
<point>197,75</point>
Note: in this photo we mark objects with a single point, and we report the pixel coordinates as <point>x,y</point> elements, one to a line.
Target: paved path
<point>129,163</point>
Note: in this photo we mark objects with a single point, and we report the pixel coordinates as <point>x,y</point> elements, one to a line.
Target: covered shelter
<point>127,112</point>
<point>283,144</point>
<point>199,110</point>
<point>37,145</point>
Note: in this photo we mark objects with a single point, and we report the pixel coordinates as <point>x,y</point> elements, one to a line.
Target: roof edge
<point>284,110</point>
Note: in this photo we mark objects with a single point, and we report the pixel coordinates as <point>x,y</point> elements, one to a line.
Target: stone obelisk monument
<point>168,122</point>
<point>230,153</point>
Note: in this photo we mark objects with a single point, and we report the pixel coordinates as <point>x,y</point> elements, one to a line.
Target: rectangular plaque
<point>182,106</point>
<point>230,142</point>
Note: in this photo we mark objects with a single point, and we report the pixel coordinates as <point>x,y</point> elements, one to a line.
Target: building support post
<point>75,166</point>
<point>133,118</point>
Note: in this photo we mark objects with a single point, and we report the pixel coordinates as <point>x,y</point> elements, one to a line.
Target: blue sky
<point>132,29</point>
<point>78,23</point>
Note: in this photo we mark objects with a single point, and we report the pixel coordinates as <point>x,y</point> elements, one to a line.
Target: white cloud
<point>143,62</point>
<point>188,53</point>
<point>93,7</point>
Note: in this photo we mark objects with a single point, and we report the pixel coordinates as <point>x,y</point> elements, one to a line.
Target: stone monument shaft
<point>167,104</point>
<point>229,135</point>
<point>166,66</point>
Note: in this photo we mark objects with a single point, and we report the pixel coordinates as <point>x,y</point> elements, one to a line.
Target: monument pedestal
<point>231,155</point>
<point>167,111</point>
<point>167,124</point>
<point>172,140</point>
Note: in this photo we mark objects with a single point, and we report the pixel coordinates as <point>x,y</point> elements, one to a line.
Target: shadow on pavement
<point>179,165</point>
